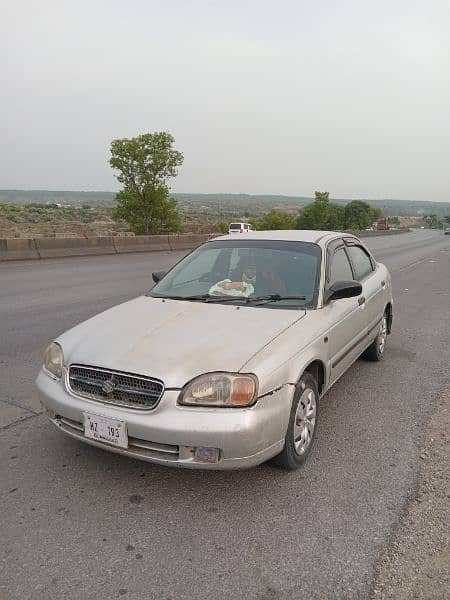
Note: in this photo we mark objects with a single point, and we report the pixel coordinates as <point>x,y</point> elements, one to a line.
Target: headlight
<point>54,359</point>
<point>220,389</point>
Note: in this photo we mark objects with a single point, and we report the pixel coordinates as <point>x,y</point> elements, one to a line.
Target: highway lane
<point>81,523</point>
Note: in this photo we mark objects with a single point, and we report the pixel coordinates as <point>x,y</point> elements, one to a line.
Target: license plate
<point>106,430</point>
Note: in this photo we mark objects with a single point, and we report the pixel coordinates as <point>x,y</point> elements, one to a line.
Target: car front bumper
<point>169,434</point>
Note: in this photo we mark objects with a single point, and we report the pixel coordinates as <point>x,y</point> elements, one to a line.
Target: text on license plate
<point>104,429</point>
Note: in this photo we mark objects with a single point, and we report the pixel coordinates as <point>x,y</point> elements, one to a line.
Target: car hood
<point>174,340</point>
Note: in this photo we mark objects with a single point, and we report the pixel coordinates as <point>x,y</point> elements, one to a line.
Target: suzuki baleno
<point>223,363</point>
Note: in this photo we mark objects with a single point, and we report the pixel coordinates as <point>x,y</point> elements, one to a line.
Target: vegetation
<point>318,214</point>
<point>323,215</point>
<point>50,213</point>
<point>144,165</point>
<point>204,213</point>
<point>436,222</point>
<point>217,207</point>
<point>275,219</point>
<point>360,215</point>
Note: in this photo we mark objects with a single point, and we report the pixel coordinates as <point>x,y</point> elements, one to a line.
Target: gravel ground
<point>416,563</point>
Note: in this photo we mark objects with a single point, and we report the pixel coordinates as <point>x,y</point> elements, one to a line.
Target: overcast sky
<point>276,97</point>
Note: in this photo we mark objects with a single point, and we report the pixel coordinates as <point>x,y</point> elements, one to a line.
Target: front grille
<point>114,387</point>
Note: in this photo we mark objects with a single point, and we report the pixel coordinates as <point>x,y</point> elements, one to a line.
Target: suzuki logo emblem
<point>109,386</point>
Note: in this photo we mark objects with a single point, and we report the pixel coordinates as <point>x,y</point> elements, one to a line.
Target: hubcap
<point>305,421</point>
<point>382,335</point>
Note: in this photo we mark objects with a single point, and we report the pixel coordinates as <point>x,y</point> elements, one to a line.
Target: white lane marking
<point>418,262</point>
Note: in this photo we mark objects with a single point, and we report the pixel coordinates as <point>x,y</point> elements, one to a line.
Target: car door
<point>374,287</point>
<point>346,317</point>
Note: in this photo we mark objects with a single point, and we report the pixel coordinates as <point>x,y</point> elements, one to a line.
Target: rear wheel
<point>376,349</point>
<point>302,425</point>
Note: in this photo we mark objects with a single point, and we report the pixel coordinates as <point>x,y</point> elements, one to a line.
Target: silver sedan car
<point>223,363</point>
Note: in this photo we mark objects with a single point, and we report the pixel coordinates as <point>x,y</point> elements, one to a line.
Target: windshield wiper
<point>272,298</point>
<point>194,297</point>
<point>226,298</point>
<point>247,300</point>
<point>203,298</point>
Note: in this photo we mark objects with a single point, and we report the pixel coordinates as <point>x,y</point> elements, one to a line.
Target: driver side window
<point>340,269</point>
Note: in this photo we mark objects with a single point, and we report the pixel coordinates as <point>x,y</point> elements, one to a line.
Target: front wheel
<point>376,349</point>
<point>302,425</point>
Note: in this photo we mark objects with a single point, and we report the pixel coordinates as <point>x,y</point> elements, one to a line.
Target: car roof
<point>289,235</point>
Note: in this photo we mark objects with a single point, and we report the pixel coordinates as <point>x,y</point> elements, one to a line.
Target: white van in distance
<point>240,228</point>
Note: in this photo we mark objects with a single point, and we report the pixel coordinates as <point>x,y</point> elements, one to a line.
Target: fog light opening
<point>206,455</point>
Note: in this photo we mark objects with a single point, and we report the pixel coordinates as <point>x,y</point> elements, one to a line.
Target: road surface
<point>77,522</point>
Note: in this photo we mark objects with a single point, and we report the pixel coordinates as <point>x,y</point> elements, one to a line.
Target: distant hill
<point>389,207</point>
<point>56,197</point>
<point>222,203</point>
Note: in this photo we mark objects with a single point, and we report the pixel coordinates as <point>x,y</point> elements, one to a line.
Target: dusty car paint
<point>143,336</point>
<point>175,341</point>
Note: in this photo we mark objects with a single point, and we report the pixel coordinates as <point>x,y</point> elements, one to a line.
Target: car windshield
<point>235,226</point>
<point>267,273</point>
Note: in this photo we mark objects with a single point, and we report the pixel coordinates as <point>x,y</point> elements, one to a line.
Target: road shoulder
<point>415,563</point>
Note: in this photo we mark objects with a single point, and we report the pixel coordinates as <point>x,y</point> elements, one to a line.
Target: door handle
<point>383,284</point>
<point>361,300</point>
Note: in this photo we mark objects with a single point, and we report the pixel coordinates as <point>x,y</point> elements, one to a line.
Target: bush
<point>275,219</point>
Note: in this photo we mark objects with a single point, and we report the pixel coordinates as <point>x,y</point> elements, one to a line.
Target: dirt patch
<point>416,563</point>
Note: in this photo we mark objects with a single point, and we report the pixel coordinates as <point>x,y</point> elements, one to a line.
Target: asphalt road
<point>80,523</point>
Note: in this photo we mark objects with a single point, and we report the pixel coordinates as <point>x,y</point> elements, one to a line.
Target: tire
<point>302,427</point>
<point>375,351</point>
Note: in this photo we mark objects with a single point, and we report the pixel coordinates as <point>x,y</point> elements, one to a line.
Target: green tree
<point>433,221</point>
<point>222,226</point>
<point>164,214</point>
<point>336,217</point>
<point>322,196</point>
<point>325,215</point>
<point>275,219</point>
<point>359,215</point>
<point>144,165</point>
<point>315,215</point>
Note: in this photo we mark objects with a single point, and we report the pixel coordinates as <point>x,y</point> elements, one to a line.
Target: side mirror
<point>343,289</point>
<point>158,275</point>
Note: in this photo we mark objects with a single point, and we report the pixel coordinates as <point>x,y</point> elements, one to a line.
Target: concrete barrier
<point>187,241</point>
<point>60,247</point>
<point>141,243</point>
<point>25,249</point>
<point>377,232</point>
<point>18,249</point>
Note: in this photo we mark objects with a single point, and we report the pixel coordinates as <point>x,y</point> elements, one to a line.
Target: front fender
<point>284,360</point>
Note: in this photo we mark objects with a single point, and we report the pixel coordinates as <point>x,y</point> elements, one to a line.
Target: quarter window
<point>361,262</point>
<point>340,267</point>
